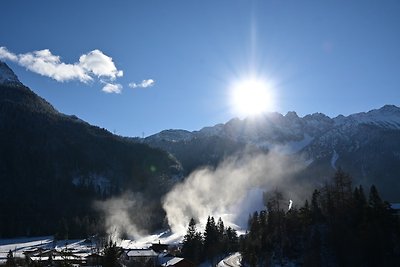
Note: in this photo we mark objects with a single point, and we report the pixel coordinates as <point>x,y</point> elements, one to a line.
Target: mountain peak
<point>7,76</point>
<point>390,109</point>
<point>291,115</point>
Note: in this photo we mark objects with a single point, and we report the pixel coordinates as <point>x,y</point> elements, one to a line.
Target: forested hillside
<point>53,167</point>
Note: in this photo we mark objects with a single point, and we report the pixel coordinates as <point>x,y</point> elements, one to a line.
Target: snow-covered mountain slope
<point>7,76</point>
<point>275,129</point>
<point>386,117</point>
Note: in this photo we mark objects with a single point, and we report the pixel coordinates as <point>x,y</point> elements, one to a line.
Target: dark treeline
<point>217,240</point>
<point>339,226</point>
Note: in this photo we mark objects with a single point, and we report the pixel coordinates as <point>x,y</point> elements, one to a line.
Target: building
<point>94,259</point>
<point>176,262</point>
<point>142,257</point>
<point>159,248</point>
<point>396,208</point>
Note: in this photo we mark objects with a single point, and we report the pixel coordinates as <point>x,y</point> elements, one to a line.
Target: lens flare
<point>251,97</point>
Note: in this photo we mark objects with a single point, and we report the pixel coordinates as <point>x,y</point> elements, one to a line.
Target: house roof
<point>172,261</point>
<point>141,253</point>
<point>94,255</point>
<point>395,206</point>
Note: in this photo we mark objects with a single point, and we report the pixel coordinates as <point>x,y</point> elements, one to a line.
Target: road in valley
<point>231,261</point>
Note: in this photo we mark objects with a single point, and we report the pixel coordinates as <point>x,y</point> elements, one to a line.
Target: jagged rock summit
<point>7,76</point>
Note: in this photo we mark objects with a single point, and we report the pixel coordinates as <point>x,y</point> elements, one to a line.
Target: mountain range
<point>53,166</point>
<point>366,144</point>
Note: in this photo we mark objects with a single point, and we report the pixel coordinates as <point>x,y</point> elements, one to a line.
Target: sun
<point>251,97</point>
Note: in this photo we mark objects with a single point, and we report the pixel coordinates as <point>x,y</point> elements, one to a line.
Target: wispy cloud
<point>5,54</point>
<point>112,88</point>
<point>143,84</point>
<point>94,64</point>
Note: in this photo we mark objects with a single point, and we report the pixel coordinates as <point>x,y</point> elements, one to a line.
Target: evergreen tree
<point>360,205</point>
<point>10,259</point>
<point>210,240</point>
<point>305,215</point>
<point>111,255</point>
<point>339,228</point>
<point>342,188</point>
<point>232,239</point>
<point>220,228</point>
<point>375,201</point>
<point>192,243</point>
<point>316,213</point>
<point>221,237</point>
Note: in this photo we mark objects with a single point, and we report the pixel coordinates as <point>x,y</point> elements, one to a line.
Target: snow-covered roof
<point>172,261</point>
<point>141,253</point>
<point>395,206</point>
<point>55,258</point>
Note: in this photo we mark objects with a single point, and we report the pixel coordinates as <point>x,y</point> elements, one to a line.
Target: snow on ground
<point>387,117</point>
<point>233,260</point>
<point>335,157</point>
<point>7,75</point>
<point>293,147</point>
<point>165,237</point>
<point>84,247</point>
<point>100,183</point>
<point>81,247</point>
<point>19,245</point>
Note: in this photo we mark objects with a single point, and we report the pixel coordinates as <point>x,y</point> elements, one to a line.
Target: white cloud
<point>5,54</point>
<point>45,63</point>
<point>100,65</point>
<point>112,88</point>
<point>143,84</point>
<point>90,65</point>
<point>94,65</point>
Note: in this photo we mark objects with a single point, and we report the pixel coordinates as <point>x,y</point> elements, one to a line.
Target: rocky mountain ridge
<point>280,128</point>
<point>366,144</point>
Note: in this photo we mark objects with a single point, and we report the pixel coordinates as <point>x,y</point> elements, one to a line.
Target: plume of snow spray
<point>125,215</point>
<point>232,190</point>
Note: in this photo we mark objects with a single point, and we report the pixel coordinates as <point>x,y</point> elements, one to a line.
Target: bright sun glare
<point>251,97</point>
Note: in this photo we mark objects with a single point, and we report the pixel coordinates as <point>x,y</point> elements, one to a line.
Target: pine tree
<point>375,201</point>
<point>210,239</point>
<point>10,259</point>
<point>316,212</point>
<point>220,228</point>
<point>342,190</point>
<point>360,205</point>
<point>305,215</point>
<point>192,243</point>
<point>111,255</point>
<point>221,237</point>
<point>232,239</point>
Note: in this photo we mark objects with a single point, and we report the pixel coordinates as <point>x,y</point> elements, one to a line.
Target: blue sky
<point>335,57</point>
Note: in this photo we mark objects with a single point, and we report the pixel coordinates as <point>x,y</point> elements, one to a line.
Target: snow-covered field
<point>81,247</point>
<point>165,237</point>
<point>19,245</point>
